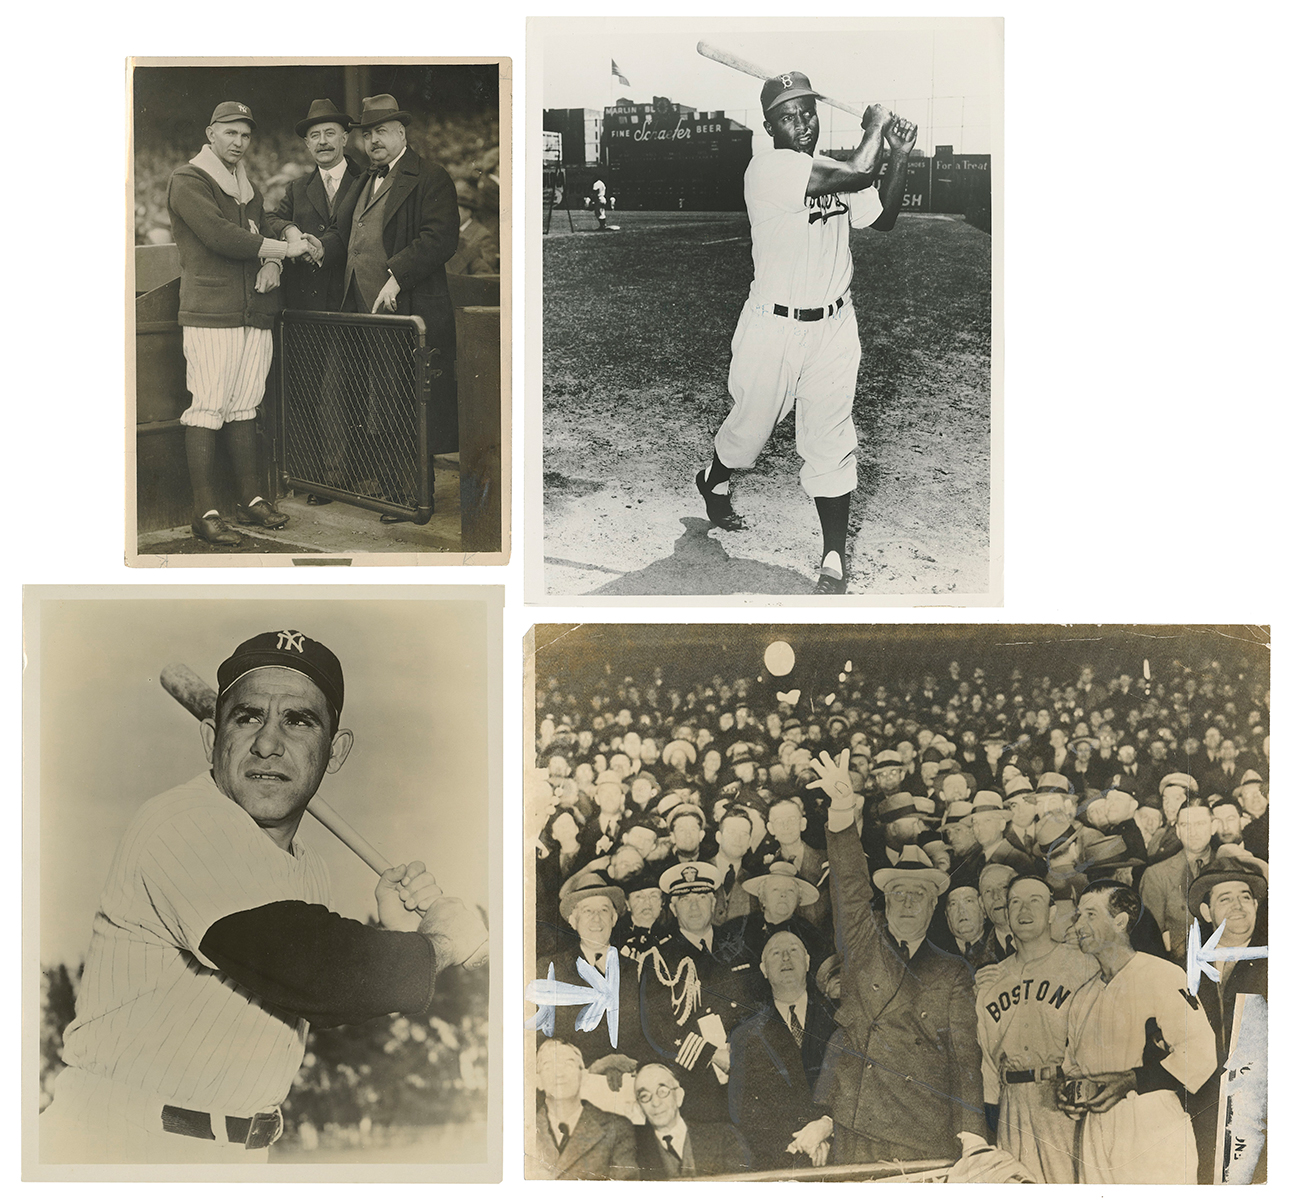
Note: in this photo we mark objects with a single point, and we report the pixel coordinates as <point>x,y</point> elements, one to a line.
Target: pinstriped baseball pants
<point>225,372</point>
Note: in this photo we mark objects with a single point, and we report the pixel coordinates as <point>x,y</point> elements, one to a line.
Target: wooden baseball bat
<point>743,64</point>
<point>195,694</point>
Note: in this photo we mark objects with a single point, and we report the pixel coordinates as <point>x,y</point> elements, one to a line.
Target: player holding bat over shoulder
<point>214,948</point>
<point>796,343</point>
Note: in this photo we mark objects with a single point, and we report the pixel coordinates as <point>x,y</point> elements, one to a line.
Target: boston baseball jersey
<point>153,1013</point>
<point>1023,1014</point>
<point>1143,1138</point>
<point>801,248</point>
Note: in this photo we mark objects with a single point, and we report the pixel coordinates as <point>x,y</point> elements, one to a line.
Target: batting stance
<point>228,298</point>
<point>213,948</point>
<point>796,342</point>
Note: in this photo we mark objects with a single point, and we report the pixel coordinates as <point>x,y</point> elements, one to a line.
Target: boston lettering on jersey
<point>822,208</point>
<point>1024,993</point>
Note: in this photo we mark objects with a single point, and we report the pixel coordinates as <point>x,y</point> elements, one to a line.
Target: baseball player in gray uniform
<point>796,345</point>
<point>213,948</point>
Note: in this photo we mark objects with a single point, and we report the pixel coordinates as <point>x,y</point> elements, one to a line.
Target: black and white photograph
<point>320,267</point>
<point>690,290</point>
<point>938,903</point>
<point>261,867</point>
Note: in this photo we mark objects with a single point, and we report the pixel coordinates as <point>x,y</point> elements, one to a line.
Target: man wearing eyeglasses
<point>669,1147</point>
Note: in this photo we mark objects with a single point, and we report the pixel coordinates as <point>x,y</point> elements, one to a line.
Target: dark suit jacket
<point>600,1147</point>
<point>773,1082</point>
<point>717,1150</point>
<point>904,1072</point>
<point>319,289</point>
<point>594,1043</point>
<point>419,235</point>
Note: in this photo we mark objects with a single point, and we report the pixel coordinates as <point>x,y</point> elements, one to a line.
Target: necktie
<point>600,961</point>
<point>1009,945</point>
<point>564,1139</point>
<point>796,1027</point>
<point>906,951</point>
<point>704,946</point>
<point>382,171</point>
<point>1197,867</point>
<point>330,187</point>
<point>668,1145</point>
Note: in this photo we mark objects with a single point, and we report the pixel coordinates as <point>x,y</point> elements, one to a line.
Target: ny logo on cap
<point>289,639</point>
<point>244,108</point>
<point>690,874</point>
<point>786,81</point>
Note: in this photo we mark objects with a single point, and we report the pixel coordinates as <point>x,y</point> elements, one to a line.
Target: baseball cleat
<point>830,581</point>
<point>718,508</point>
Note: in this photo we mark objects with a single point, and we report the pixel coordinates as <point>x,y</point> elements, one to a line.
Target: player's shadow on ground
<point>699,566</point>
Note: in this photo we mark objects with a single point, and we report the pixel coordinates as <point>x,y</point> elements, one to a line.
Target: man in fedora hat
<point>1165,885</point>
<point>228,298</point>
<point>316,282</point>
<point>399,227</point>
<point>904,1076</point>
<point>781,897</point>
<point>1232,890</point>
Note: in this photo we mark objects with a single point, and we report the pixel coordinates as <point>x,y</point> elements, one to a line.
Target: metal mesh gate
<point>354,392</point>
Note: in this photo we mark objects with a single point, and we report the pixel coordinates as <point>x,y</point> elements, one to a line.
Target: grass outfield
<point>637,332</point>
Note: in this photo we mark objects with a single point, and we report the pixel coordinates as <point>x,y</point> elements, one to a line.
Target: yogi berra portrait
<point>944,903</point>
<point>767,302</point>
<point>317,268</point>
<point>265,880</point>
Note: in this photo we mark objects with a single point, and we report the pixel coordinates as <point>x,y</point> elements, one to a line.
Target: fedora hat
<point>321,111</point>
<point>781,870</point>
<point>1224,868</point>
<point>377,109</point>
<point>913,864</point>
<point>903,804</point>
<point>588,885</point>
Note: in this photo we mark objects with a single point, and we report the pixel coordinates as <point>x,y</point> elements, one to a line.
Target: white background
<point>1146,324</point>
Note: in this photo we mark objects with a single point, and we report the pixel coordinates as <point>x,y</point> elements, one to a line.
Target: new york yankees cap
<point>291,649</point>
<point>232,110</point>
<point>789,86</point>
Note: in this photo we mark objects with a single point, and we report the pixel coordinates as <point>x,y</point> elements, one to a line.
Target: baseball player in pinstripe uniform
<point>228,297</point>
<point>213,948</point>
<point>796,344</point>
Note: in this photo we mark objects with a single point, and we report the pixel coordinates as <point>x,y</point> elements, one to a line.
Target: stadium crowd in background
<point>997,955</point>
<point>467,146</point>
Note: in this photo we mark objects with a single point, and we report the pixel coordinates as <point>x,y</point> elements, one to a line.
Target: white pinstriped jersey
<point>1023,1015</point>
<point>801,247</point>
<point>153,1013</point>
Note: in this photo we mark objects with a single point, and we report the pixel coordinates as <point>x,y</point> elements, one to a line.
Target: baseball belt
<point>255,1133</point>
<point>1033,1075</point>
<point>810,314</point>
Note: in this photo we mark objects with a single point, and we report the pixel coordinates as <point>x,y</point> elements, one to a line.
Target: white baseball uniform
<point>157,1023</point>
<point>802,264</point>
<point>1143,1138</point>
<point>225,370</point>
<point>1023,1026</point>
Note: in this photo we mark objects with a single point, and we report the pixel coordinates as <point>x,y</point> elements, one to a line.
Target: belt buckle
<point>264,1130</point>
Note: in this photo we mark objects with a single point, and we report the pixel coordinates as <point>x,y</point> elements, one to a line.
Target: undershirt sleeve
<point>322,966</point>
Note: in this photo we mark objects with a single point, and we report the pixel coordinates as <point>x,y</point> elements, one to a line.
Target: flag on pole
<point>618,74</point>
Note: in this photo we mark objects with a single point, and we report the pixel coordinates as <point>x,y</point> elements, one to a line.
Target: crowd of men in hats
<point>344,239</point>
<point>929,914</point>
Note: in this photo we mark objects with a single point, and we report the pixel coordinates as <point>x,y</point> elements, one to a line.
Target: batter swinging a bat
<point>796,344</point>
<point>214,948</point>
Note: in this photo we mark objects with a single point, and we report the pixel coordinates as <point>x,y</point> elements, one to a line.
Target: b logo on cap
<point>786,81</point>
<point>289,639</point>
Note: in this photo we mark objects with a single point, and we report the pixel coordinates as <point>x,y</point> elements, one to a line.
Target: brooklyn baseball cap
<point>232,110</point>
<point>789,86</point>
<point>291,649</point>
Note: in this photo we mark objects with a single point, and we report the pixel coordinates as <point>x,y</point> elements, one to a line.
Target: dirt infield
<point>637,329</point>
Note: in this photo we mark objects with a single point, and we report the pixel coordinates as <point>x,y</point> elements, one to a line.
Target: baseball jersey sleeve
<point>776,183</point>
<point>1190,1041</point>
<point>207,862</point>
<point>865,207</point>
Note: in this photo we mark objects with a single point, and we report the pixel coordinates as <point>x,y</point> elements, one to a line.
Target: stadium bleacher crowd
<point>466,145</point>
<point>939,915</point>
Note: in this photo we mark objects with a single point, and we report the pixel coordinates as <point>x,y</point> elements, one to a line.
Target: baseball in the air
<point>779,657</point>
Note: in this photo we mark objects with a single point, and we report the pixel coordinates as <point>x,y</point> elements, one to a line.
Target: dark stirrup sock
<point>241,442</point>
<point>833,511</point>
<point>718,473</point>
<point>200,449</point>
